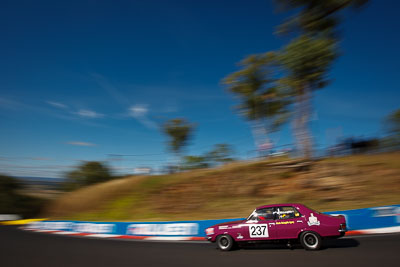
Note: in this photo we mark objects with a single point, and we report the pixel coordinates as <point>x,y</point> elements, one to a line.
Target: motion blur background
<point>149,110</point>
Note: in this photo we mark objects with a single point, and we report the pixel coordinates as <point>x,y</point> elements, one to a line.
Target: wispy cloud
<point>10,104</point>
<point>140,113</point>
<point>85,113</point>
<point>40,158</point>
<point>109,88</point>
<point>80,143</point>
<point>139,110</point>
<point>89,113</point>
<point>57,104</point>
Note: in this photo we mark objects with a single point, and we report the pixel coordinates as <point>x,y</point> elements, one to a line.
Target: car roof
<point>279,205</point>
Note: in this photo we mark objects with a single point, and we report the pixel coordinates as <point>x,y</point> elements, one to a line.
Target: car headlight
<point>210,231</point>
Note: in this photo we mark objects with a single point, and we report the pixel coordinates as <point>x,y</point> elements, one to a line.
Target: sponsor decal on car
<point>312,220</point>
<point>287,222</point>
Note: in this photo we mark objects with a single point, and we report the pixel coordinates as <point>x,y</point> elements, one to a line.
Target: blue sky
<point>80,80</point>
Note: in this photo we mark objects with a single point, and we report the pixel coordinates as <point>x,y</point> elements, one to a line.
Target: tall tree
<point>179,132</point>
<point>261,101</point>
<point>306,62</point>
<point>307,58</point>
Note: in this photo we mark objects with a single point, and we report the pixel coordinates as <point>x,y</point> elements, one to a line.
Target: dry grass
<point>234,190</point>
<point>91,197</point>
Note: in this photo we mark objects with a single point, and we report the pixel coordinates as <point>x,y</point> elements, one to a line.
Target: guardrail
<point>384,219</point>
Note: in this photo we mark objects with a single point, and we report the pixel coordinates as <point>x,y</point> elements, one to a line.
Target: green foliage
<point>256,86</point>
<point>307,58</point>
<point>195,162</point>
<point>221,153</point>
<point>393,122</point>
<point>306,61</point>
<point>179,132</point>
<point>275,85</point>
<point>8,194</point>
<point>315,17</point>
<point>86,174</point>
<point>12,202</point>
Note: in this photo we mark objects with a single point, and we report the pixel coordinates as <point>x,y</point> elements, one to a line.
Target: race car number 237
<point>258,230</point>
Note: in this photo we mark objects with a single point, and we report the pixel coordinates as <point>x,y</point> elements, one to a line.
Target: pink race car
<point>282,222</point>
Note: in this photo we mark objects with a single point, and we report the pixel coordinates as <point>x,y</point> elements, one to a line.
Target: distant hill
<point>41,179</point>
<point>234,190</point>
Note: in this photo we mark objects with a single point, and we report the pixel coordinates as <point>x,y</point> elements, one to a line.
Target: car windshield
<point>251,215</point>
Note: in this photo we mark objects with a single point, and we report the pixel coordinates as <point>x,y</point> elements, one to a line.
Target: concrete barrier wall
<point>358,219</point>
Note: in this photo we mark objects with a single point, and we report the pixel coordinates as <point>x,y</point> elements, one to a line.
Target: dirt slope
<point>234,190</point>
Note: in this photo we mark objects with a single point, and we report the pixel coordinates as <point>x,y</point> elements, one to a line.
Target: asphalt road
<point>21,248</point>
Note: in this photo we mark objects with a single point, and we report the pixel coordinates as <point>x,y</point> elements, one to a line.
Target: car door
<point>259,225</point>
<point>288,222</point>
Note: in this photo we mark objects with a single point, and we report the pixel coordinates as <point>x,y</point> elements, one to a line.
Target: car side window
<point>284,213</point>
<point>265,214</point>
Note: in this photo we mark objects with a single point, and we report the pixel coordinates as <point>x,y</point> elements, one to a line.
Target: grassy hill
<point>235,189</point>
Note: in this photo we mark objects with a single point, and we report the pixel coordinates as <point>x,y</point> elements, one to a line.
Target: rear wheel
<point>225,242</point>
<point>310,240</point>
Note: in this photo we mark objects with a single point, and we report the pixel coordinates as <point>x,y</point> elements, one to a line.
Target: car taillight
<point>210,231</point>
<point>343,226</point>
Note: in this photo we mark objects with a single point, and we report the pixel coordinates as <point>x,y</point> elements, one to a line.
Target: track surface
<point>21,248</point>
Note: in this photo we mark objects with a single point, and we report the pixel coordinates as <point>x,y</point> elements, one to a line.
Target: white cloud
<point>89,113</point>
<point>139,112</point>
<point>79,143</point>
<point>57,104</point>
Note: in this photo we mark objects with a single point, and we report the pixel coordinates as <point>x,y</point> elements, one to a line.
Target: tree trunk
<point>260,135</point>
<point>306,124</point>
<point>301,123</point>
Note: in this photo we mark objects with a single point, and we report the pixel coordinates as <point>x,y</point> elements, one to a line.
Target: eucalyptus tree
<point>179,132</point>
<point>309,55</point>
<point>256,87</point>
<point>276,85</point>
<point>306,62</point>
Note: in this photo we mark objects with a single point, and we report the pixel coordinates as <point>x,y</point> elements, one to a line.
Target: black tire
<point>225,242</point>
<point>310,240</point>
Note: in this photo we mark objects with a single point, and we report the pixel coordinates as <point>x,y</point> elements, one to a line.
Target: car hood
<point>228,223</point>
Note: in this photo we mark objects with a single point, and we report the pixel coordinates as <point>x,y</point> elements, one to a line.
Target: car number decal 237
<point>258,230</point>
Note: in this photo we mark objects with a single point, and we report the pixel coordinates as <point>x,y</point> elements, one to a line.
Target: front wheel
<point>310,240</point>
<point>225,242</point>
